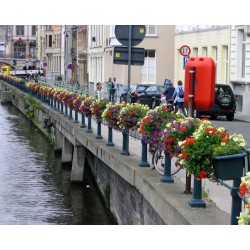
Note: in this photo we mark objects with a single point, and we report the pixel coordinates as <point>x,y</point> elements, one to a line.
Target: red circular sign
<point>185,50</point>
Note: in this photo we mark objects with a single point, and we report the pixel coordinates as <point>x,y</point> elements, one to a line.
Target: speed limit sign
<point>185,50</point>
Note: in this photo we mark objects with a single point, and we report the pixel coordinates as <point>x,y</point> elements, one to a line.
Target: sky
<point>107,12</point>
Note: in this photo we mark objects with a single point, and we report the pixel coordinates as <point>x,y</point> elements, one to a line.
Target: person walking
<point>169,96</point>
<point>98,89</point>
<point>110,88</point>
<point>115,89</point>
<point>179,97</point>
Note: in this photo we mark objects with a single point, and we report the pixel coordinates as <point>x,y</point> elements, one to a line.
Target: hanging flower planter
<point>229,167</point>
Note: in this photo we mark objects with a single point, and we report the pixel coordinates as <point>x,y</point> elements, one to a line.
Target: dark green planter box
<point>229,167</point>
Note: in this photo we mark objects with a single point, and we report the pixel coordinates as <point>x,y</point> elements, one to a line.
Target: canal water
<point>34,188</point>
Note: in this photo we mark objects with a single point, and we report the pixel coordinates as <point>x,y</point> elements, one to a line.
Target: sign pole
<point>129,62</point>
<point>129,75</point>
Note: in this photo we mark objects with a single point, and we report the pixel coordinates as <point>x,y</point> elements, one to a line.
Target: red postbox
<point>202,85</point>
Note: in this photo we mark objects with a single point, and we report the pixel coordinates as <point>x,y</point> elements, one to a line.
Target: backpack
<point>181,92</point>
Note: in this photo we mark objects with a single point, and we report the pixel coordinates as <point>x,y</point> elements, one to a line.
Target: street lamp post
<point>67,52</point>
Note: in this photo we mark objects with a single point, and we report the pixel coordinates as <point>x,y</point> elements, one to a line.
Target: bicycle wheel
<point>159,162</point>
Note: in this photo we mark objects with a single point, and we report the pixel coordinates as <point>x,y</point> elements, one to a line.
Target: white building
<point>240,66</point>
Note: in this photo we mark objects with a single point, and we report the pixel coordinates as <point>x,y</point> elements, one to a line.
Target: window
<point>225,64</point>
<point>243,58</point>
<point>150,30</point>
<point>33,30</point>
<point>215,57</point>
<point>20,30</point>
<point>204,51</point>
<point>50,40</point>
<point>148,70</point>
<point>241,55</point>
<point>195,52</point>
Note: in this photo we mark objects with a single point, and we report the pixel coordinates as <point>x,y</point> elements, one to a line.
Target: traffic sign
<point>121,55</point>
<point>185,59</point>
<point>185,50</point>
<point>137,34</point>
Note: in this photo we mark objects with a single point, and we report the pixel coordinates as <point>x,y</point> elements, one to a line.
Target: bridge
<point>133,194</point>
<point>16,61</point>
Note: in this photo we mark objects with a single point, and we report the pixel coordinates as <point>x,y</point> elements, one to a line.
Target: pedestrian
<point>110,87</point>
<point>179,97</point>
<point>169,96</point>
<point>115,88</point>
<point>36,77</point>
<point>98,89</point>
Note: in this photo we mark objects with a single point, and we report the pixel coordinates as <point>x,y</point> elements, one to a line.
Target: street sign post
<point>185,59</point>
<point>137,34</point>
<point>129,35</point>
<point>121,55</point>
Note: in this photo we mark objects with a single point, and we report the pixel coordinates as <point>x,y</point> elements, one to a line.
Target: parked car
<point>135,90</point>
<point>224,103</point>
<point>152,96</point>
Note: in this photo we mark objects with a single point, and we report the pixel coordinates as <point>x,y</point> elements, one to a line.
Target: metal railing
<point>197,199</point>
<point>18,55</point>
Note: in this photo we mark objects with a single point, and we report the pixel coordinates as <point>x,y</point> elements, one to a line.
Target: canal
<point>34,188</point>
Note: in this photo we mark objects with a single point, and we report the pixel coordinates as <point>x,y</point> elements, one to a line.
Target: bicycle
<point>158,162</point>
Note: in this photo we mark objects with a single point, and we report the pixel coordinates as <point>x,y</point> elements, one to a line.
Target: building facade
<point>204,41</point>
<point>240,66</point>
<point>159,56</point>
<point>21,42</point>
<point>50,50</point>
<point>82,47</point>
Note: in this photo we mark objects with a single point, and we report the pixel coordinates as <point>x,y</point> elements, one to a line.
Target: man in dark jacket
<point>169,92</point>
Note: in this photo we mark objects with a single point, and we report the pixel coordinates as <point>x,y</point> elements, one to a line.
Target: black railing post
<point>167,169</point>
<point>144,151</point>
<point>110,136</point>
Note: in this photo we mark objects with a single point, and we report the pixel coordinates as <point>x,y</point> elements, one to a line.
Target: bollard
<point>54,104</point>
<point>188,185</point>
<point>70,114</point>
<point>167,169</point>
<point>99,130</point>
<point>197,200</point>
<point>66,110</point>
<point>51,102</point>
<point>124,150</point>
<point>144,151</point>
<point>236,202</point>
<point>76,117</point>
<point>89,129</point>
<point>58,106</point>
<point>110,136</point>
<point>61,108</point>
<point>83,125</point>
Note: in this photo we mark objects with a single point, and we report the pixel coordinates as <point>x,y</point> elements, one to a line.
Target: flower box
<point>229,167</point>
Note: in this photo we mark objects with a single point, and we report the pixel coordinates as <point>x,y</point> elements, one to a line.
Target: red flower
<point>168,147</point>
<point>184,155</point>
<point>189,141</point>
<point>164,108</point>
<point>109,113</point>
<point>169,140</point>
<point>202,175</point>
<point>183,128</point>
<point>146,119</point>
<point>243,189</point>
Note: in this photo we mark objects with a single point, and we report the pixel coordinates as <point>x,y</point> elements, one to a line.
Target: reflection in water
<point>34,189</point>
